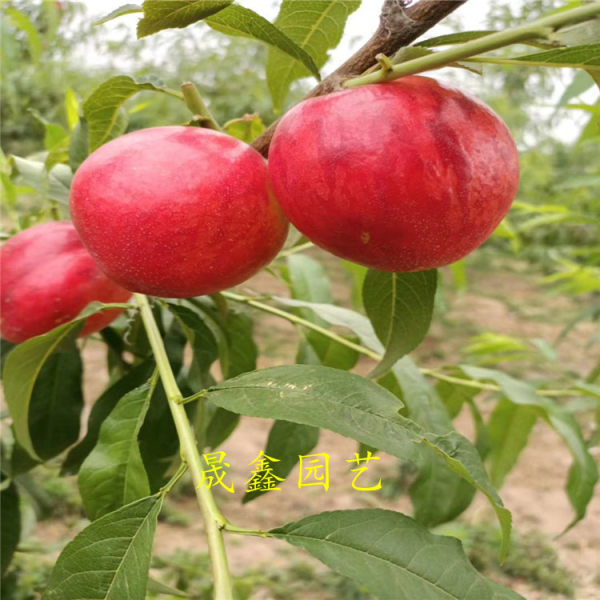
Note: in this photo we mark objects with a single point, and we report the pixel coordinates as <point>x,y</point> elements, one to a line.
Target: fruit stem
<point>540,28</point>
<point>194,102</point>
<point>213,519</point>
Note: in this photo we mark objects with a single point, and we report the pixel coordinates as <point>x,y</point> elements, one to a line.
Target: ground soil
<point>501,299</point>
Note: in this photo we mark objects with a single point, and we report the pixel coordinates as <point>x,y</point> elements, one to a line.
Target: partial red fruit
<point>401,176</point>
<point>48,278</point>
<point>177,211</point>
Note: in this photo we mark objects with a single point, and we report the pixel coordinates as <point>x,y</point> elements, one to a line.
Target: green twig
<point>295,249</point>
<point>194,102</point>
<point>540,28</point>
<point>292,318</point>
<point>213,519</point>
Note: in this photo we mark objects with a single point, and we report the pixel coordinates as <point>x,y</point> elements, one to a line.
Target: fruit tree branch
<point>399,26</point>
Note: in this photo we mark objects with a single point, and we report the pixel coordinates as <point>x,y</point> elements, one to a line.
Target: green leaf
<point>400,306</point>
<point>238,355</point>
<point>509,429</point>
<point>113,474</point>
<point>221,426</point>
<point>583,473</point>
<point>20,21</point>
<point>354,407</point>
<point>55,184</point>
<point>158,440</point>
<point>316,26</point>
<point>21,371</point>
<point>10,523</point>
<point>103,108</point>
<point>100,411</point>
<point>158,587</point>
<point>344,317</point>
<point>287,442</point>
<point>56,401</point>
<point>78,144</point>
<point>166,14</point>
<point>581,82</point>
<point>577,34</point>
<point>438,495</point>
<point>583,57</point>
<point>126,9</point>
<point>23,366</point>
<point>308,281</point>
<point>454,38</point>
<point>388,552</point>
<point>110,558</point>
<point>71,108</point>
<point>201,338</point>
<point>246,128</point>
<point>237,20</point>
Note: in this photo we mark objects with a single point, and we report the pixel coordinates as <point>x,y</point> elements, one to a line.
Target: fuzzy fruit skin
<point>177,211</point>
<point>401,176</point>
<point>48,278</point>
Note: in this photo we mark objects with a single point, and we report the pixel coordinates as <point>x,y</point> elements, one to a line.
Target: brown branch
<point>399,26</point>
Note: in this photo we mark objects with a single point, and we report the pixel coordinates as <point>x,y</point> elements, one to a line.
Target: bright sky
<point>359,28</point>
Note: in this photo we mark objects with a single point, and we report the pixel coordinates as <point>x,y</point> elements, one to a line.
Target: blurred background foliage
<point>53,58</point>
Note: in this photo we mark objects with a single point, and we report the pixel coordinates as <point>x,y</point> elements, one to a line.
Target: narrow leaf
<point>246,128</point>
<point>242,352</point>
<point>113,474</point>
<point>126,9</point>
<point>157,439</point>
<point>71,108</point>
<point>21,371</point>
<point>509,429</point>
<point>201,338</point>
<point>55,183</point>
<point>308,281</point>
<point>438,495</point>
<point>56,401</point>
<point>21,21</point>
<point>392,556</point>
<point>166,14</point>
<point>354,407</point>
<point>316,26</point>
<point>454,38</point>
<point>584,57</point>
<point>583,474</point>
<point>287,442</point>
<point>400,306</point>
<point>100,411</point>
<point>344,317</point>
<point>23,366</point>
<point>109,559</point>
<point>78,144</point>
<point>221,426</point>
<point>237,20</point>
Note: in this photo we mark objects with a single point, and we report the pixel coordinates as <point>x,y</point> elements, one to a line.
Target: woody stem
<point>213,519</point>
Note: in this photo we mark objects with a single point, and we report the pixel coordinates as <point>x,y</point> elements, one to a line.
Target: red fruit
<point>400,176</point>
<point>48,278</point>
<point>177,211</point>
